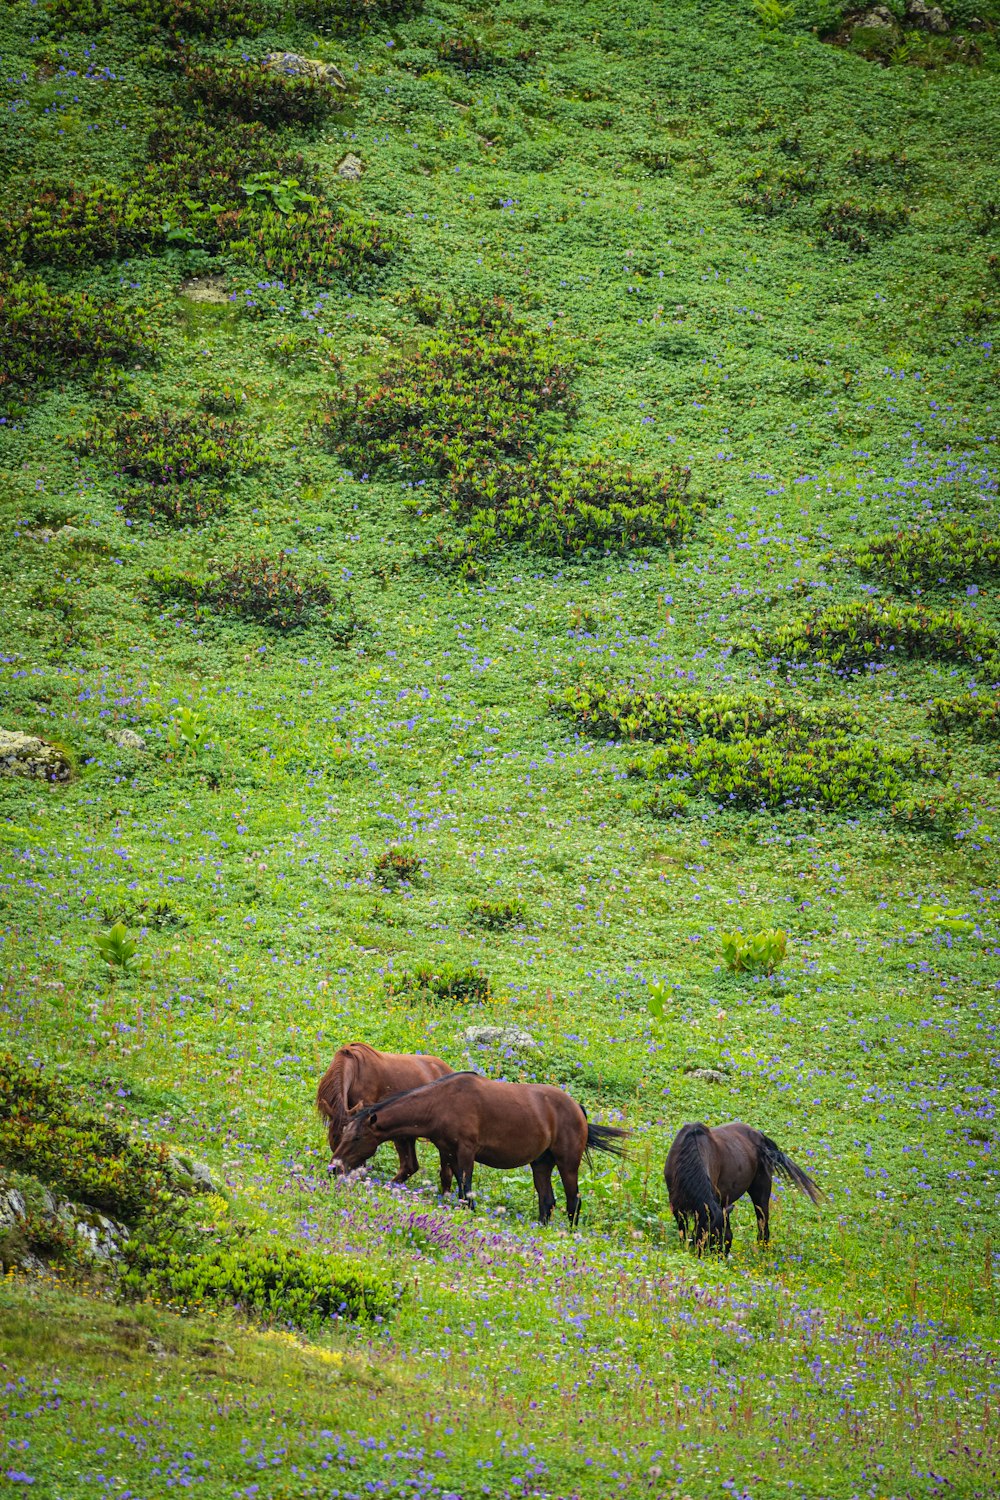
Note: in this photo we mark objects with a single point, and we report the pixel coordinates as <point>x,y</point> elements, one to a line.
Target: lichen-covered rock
<point>103,1239</point>
<point>194,1177</point>
<point>127,739</point>
<point>499,1036</point>
<point>879,18</point>
<point>24,755</point>
<point>707,1075</point>
<point>351,168</point>
<point>926,17</point>
<point>293,63</point>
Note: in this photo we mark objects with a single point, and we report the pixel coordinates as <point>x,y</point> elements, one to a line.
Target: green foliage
<point>936,813</point>
<point>176,503</point>
<point>272,1283</point>
<point>283,193</point>
<point>163,448</point>
<point>772,14</point>
<point>190,156</point>
<point>626,711</point>
<point>222,400</point>
<point>658,998</point>
<point>770,772</point>
<point>70,227</point>
<point>116,947</point>
<point>441,982</point>
<point>253,93</point>
<point>980,717</point>
<point>397,865</point>
<point>857,225</point>
<point>317,248</point>
<point>891,169</point>
<point>663,803</point>
<point>189,732</point>
<point>267,591</point>
<point>754,953</point>
<point>177,19</point>
<point>950,552</point>
<point>948,919</point>
<point>86,1158</point>
<point>353,15</point>
<point>464,50</point>
<point>851,635</point>
<point>497,914</point>
<point>45,335</point>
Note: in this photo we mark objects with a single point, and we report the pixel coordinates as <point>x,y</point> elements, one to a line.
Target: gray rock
<point>194,1177</point>
<point>156,1349</point>
<point>879,18</point>
<point>498,1036</point>
<point>127,739</point>
<point>209,1347</point>
<point>294,64</point>
<point>105,1238</point>
<point>24,755</point>
<point>12,1208</point>
<point>707,1075</point>
<point>204,289</point>
<point>926,17</point>
<point>351,167</point>
<point>46,534</point>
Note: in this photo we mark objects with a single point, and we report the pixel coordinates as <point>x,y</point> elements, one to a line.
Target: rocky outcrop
<point>499,1036</point>
<point>926,17</point>
<point>707,1075</point>
<point>24,755</point>
<point>294,64</point>
<point>28,1231</point>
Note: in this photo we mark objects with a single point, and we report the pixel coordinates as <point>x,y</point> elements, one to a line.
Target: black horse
<point>707,1170</point>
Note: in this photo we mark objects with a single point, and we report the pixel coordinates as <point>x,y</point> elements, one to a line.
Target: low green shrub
<point>318,248</point>
<point>192,156</point>
<point>248,92</point>
<point>465,51</point>
<point>222,400</point>
<point>45,335</point>
<point>70,227</point>
<point>441,982</point>
<point>42,1131</point>
<point>353,15</point>
<point>950,552</point>
<point>496,914</point>
<point>749,774</point>
<point>176,504</point>
<point>770,190</point>
<point>178,19</point>
<point>267,591</point>
<point>980,717</point>
<point>166,449</point>
<point>271,1283</point>
<point>891,169</point>
<point>397,865</point>
<point>851,635</point>
<point>937,813</point>
<point>662,803</point>
<point>625,711</point>
<point>116,948</point>
<point>754,953</point>
<point>857,225</point>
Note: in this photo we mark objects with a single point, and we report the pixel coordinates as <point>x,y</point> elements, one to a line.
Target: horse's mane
<point>370,1109</point>
<point>690,1187</point>
<point>332,1091</point>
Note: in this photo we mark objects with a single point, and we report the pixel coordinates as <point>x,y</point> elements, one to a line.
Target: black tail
<point>779,1162</point>
<point>606,1138</point>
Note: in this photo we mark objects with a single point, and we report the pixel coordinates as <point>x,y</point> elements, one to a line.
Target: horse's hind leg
<point>447,1174</point>
<point>570,1177</point>
<point>760,1196</point>
<point>541,1171</point>
<point>465,1160</point>
<point>406,1150</point>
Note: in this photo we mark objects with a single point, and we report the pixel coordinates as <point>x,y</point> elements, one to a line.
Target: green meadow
<point>534,507</point>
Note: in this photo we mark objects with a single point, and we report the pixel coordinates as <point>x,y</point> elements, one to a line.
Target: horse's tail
<point>691,1189</point>
<point>606,1138</point>
<point>779,1162</point>
<point>334,1091</point>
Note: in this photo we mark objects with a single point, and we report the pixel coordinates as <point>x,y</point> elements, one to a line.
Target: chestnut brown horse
<point>470,1119</point>
<point>358,1076</point>
<point>707,1170</point>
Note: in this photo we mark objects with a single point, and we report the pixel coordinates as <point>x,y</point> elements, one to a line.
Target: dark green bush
<point>70,227</point>
<point>980,717</point>
<point>318,247</point>
<point>352,15</point>
<point>856,225</point>
<point>625,711</point>
<point>397,865</point>
<point>273,1283</point>
<point>253,93</point>
<point>852,635</point>
<point>183,503</point>
<point>174,18</point>
<point>929,814</point>
<point>950,552</point>
<point>87,1158</point>
<point>163,449</point>
<point>267,591</point>
<point>884,169</point>
<point>748,774</point>
<point>45,335</point>
<point>496,914</point>
<point>191,156</point>
<point>663,803</point>
<point>465,51</point>
<point>222,400</point>
<point>441,982</point>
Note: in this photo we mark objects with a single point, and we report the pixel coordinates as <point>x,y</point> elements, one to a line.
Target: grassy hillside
<point>493,661</point>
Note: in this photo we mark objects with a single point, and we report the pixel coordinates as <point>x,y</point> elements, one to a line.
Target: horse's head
<point>358,1142</point>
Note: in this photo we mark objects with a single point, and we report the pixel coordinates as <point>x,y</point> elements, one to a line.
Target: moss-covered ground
<point>650,184</point>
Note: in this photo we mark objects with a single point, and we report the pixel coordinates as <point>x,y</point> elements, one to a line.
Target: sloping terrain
<point>476,539</point>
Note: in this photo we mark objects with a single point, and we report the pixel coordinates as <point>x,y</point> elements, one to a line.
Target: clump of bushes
<point>267,591</point>
<point>67,226</point>
<point>852,635</point>
<point>247,92</point>
<point>662,803</point>
<point>465,51</point>
<point>441,982</point>
<point>167,449</point>
<point>626,711</point>
<point>478,407</point>
<point>270,1282</point>
<point>980,717</point>
<point>45,335</point>
<point>193,156</point>
<point>176,19</point>
<point>398,865</point>
<point>951,552</point>
<point>176,504</point>
<point>770,190</point>
<point>756,952</point>
<point>88,1158</point>
<point>857,225</point>
<point>497,914</point>
<point>317,247</point>
<point>222,400</point>
<point>884,169</point>
<point>937,813</point>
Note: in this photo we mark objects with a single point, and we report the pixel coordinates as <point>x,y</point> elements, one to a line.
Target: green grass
<point>670,200</point>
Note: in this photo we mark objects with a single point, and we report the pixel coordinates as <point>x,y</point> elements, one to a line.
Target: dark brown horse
<point>358,1076</point>
<point>707,1170</point>
<point>470,1119</point>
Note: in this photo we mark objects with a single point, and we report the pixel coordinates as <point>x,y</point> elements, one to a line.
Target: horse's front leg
<point>465,1160</point>
<point>447,1174</point>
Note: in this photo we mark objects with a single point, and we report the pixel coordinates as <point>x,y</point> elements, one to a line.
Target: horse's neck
<point>408,1116</point>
